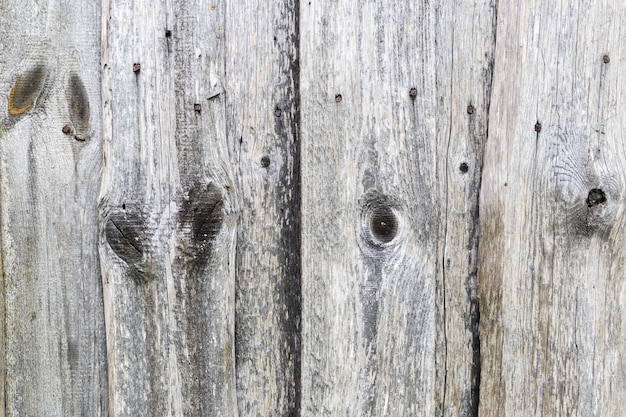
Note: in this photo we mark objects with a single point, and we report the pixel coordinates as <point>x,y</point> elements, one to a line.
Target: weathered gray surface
<point>53,341</point>
<point>466,46</point>
<point>552,279</point>
<point>389,327</point>
<point>163,227</point>
<point>168,228</point>
<point>263,134</point>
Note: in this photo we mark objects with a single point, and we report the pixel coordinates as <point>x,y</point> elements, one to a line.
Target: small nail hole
<point>413,93</point>
<point>463,167</point>
<point>606,59</point>
<point>538,127</point>
<point>197,107</point>
<point>277,113</point>
<point>168,33</point>
<point>338,98</point>
<point>470,109</point>
<point>265,161</point>
<point>136,67</point>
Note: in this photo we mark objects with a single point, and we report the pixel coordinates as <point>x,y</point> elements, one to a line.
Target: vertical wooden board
<point>385,92</point>
<point>552,280</point>
<point>167,229</point>
<point>465,49</point>
<point>53,336</point>
<point>262,66</point>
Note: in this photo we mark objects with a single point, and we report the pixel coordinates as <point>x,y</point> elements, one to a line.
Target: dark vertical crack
<point>444,260</point>
<point>475,371</point>
<point>293,298</point>
<point>472,282</point>
<point>287,129</point>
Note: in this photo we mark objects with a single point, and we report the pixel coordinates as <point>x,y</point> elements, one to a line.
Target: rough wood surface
<point>389,216</point>
<point>167,224</point>
<point>552,279</point>
<point>466,47</point>
<point>452,246</point>
<point>53,335</point>
<point>263,133</point>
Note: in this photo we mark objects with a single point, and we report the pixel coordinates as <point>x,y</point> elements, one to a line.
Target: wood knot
<point>200,215</point>
<point>130,240</point>
<point>78,107</point>
<point>384,224</point>
<point>26,90</point>
<point>590,197</point>
<point>381,224</point>
<point>200,219</point>
<point>596,196</point>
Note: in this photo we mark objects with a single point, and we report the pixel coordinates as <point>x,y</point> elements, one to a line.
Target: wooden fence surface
<point>312,208</point>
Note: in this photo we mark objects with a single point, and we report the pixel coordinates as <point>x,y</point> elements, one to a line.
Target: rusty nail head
<point>277,113</point>
<point>197,107</point>
<point>470,109</point>
<point>338,98</point>
<point>537,127</point>
<point>66,129</point>
<point>413,93</point>
<point>136,67</point>
<point>606,59</point>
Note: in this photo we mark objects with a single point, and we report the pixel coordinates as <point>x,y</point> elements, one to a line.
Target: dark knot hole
<point>384,224</point>
<point>595,197</point>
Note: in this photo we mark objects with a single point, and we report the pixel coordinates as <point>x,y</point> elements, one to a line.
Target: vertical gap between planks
<point>298,215</point>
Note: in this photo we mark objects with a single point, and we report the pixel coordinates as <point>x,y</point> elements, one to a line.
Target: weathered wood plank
<point>168,232</point>
<point>370,218</point>
<point>552,251</point>
<point>466,45</point>
<point>263,133</point>
<point>388,214</point>
<point>53,335</point>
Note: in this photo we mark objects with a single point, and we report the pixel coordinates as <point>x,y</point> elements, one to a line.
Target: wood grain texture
<point>466,45</point>
<point>53,334</point>
<point>389,310</point>
<point>552,279</point>
<point>262,68</point>
<point>167,225</point>
<point>317,208</point>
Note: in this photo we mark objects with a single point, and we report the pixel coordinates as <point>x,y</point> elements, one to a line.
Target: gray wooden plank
<point>467,45</point>
<point>168,229</point>
<point>262,67</point>
<point>53,335</point>
<point>388,215</point>
<point>552,275</point>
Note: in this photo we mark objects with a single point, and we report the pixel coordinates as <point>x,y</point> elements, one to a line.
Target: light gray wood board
<point>382,322</point>
<point>552,280</point>
<point>167,228</point>
<point>54,351</point>
<point>262,127</point>
<point>466,47</point>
